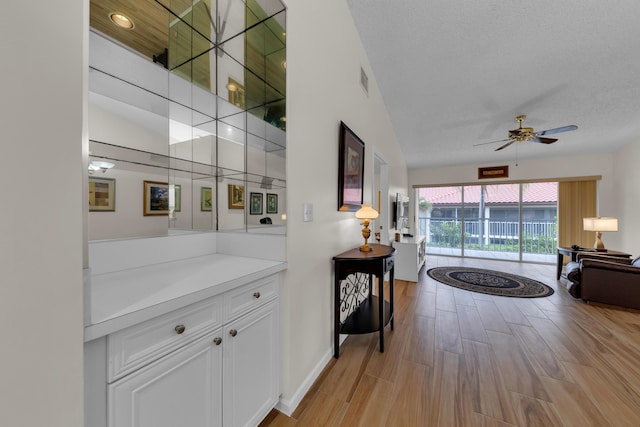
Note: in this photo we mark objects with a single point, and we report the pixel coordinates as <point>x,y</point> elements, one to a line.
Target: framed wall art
<point>156,198</point>
<point>272,203</point>
<point>255,204</point>
<point>493,172</point>
<point>206,199</point>
<point>236,196</point>
<point>102,194</point>
<point>350,170</point>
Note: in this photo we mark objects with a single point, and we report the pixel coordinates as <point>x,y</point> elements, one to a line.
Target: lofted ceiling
<point>457,73</point>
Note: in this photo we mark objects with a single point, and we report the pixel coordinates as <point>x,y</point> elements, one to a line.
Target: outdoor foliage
<point>448,234</point>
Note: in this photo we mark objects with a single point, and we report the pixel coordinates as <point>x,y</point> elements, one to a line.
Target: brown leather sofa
<point>605,279</point>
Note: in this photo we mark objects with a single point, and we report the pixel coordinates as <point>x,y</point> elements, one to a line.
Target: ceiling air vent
<point>364,80</point>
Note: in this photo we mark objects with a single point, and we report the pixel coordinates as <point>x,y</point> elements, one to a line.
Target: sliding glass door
<point>440,219</point>
<point>501,221</point>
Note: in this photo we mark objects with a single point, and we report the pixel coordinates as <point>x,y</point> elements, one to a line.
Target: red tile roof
<point>537,192</point>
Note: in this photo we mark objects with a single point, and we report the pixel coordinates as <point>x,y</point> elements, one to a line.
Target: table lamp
<point>599,224</point>
<point>366,213</point>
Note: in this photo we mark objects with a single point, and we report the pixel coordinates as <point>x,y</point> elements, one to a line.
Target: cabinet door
<point>251,367</point>
<point>181,389</point>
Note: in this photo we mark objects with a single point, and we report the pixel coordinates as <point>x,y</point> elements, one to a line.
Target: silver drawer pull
<point>256,294</point>
<point>217,340</point>
<point>233,332</point>
<point>180,329</point>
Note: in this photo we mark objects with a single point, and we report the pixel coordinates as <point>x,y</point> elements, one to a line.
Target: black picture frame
<point>255,203</point>
<point>350,170</point>
<point>272,203</point>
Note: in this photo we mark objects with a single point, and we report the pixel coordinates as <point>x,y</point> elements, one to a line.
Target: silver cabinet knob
<point>217,340</point>
<point>180,329</point>
<point>233,332</point>
<point>256,294</point>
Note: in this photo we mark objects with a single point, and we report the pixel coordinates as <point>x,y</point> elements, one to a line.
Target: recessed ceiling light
<point>121,21</point>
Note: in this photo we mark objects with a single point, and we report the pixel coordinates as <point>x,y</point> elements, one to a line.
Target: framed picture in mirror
<point>272,203</point>
<point>255,206</point>
<point>236,196</point>
<point>156,198</point>
<point>102,194</point>
<point>206,199</point>
<point>350,170</point>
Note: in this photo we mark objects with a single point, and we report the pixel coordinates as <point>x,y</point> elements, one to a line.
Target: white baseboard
<point>288,406</point>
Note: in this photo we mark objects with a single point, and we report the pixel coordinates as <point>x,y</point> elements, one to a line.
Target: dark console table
<point>356,309</point>
<point>573,255</point>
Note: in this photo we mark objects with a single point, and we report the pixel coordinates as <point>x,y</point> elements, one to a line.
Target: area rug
<point>490,282</point>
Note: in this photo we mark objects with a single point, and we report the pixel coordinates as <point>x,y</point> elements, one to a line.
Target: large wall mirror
<point>187,117</point>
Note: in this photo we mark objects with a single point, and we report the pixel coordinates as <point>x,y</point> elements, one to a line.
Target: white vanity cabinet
<point>410,257</point>
<point>212,363</point>
<point>181,389</point>
<point>250,367</point>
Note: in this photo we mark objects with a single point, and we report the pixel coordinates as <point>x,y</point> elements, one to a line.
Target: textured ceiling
<point>456,73</point>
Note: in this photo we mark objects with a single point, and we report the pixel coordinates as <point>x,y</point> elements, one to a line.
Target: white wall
<point>41,117</point>
<point>627,189</point>
<point>558,167</point>
<point>324,56</point>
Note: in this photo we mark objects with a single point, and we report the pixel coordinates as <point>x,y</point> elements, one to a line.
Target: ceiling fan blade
<point>492,142</point>
<point>505,145</point>
<point>557,130</point>
<point>544,140</point>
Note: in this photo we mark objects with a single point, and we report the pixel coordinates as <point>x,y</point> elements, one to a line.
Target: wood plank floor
<point>458,358</point>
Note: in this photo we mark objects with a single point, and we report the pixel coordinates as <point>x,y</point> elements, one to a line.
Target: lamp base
<point>365,248</point>
<point>598,246</point>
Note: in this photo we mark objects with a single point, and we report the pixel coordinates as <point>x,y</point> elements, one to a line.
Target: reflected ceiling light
<point>232,87</point>
<point>284,64</point>
<point>122,21</point>
<point>95,166</point>
<point>283,119</point>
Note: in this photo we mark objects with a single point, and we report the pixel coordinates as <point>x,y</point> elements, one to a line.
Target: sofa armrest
<point>610,283</point>
<point>609,265</point>
<point>603,257</point>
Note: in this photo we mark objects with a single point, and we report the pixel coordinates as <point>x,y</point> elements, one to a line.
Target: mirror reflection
<point>191,98</point>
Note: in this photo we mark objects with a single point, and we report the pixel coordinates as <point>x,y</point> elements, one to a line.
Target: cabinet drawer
<point>244,299</point>
<point>134,347</point>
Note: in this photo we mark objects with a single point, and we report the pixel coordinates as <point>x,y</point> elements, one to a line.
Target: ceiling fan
<point>528,134</point>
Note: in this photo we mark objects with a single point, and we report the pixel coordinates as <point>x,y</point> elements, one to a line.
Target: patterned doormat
<point>490,282</point>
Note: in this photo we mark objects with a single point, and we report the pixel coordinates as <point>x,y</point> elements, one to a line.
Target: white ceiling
<point>456,73</point>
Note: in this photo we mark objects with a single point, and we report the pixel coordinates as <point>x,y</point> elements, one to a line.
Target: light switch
<point>307,212</point>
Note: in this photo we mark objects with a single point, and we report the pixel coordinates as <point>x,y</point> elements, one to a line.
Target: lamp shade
<point>366,212</point>
<point>600,224</point>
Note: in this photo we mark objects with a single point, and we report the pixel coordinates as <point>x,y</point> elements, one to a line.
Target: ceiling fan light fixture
<point>122,20</point>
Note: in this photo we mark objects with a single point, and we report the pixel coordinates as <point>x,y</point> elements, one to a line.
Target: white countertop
<point>124,298</point>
